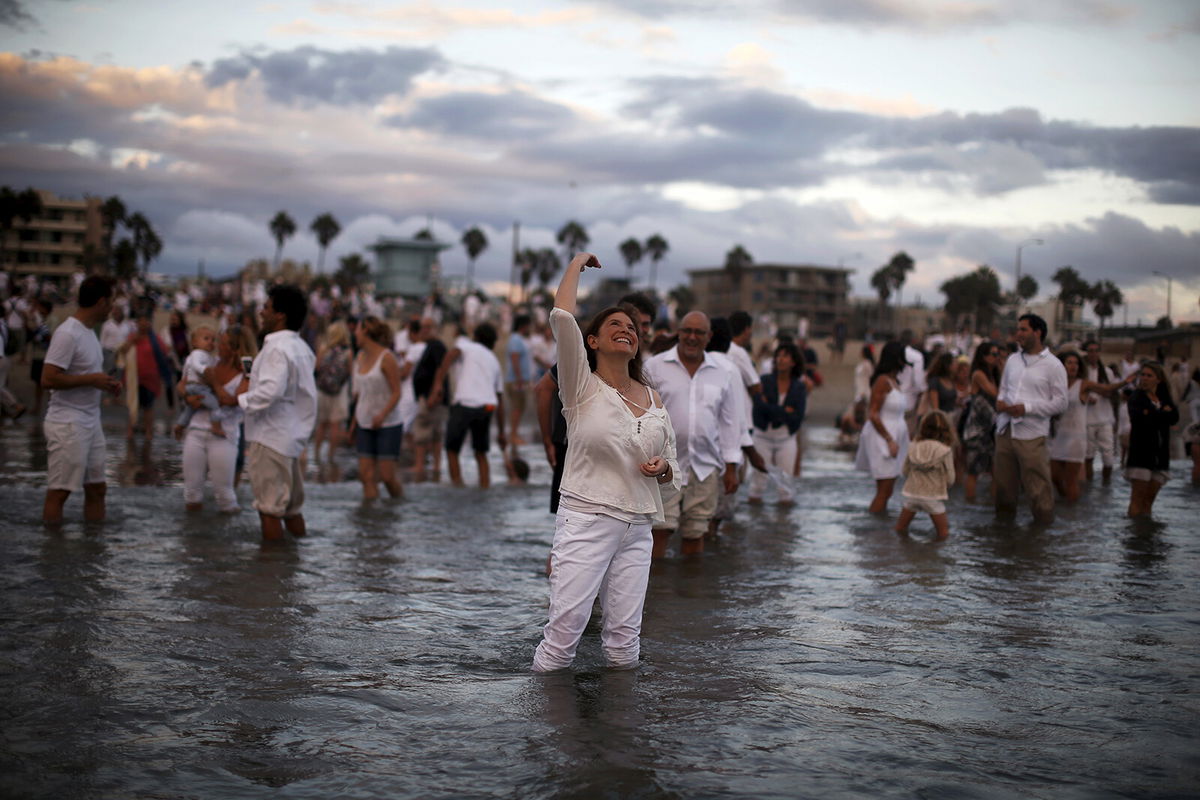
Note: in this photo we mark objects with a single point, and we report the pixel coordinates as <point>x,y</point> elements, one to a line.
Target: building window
<point>758,296</point>
<point>759,276</point>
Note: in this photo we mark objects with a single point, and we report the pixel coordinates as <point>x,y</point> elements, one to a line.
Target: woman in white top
<point>204,452</point>
<point>1191,434</point>
<point>884,440</point>
<point>378,416</point>
<point>622,443</point>
<point>1068,435</point>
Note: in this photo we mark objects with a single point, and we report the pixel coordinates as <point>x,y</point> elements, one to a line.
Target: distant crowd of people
<point>1032,420</point>
<point>649,430</point>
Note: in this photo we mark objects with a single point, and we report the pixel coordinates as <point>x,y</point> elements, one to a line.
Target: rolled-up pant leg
<point>584,546</point>
<point>623,597</point>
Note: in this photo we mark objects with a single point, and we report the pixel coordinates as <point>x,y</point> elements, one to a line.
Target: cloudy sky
<point>815,131</point>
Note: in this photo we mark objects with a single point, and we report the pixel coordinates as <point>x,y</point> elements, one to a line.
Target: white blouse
<point>607,442</point>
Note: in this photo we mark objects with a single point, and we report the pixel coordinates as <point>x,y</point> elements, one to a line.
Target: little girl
<point>202,357</point>
<point>929,473</point>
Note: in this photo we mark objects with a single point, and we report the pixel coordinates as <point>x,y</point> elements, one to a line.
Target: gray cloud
<point>513,115</point>
<point>341,77</point>
<point>14,15</point>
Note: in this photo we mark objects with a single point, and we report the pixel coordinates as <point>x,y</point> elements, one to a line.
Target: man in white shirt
<point>1032,390</point>
<point>281,410</point>
<point>115,332</point>
<point>745,377</point>
<point>477,397</point>
<point>73,373</point>
<point>1101,421</point>
<point>699,396</point>
<point>912,378</point>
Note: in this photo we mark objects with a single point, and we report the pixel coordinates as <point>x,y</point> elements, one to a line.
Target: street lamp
<point>1020,247</point>
<point>1168,277</point>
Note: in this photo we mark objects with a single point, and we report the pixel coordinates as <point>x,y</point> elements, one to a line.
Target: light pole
<point>1168,277</point>
<point>1020,247</point>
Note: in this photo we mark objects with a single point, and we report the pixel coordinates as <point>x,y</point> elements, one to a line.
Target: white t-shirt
<point>75,350</point>
<point>478,380</point>
<point>197,361</point>
<point>113,334</point>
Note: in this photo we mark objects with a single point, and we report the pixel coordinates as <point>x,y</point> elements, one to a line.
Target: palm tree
<point>656,247</point>
<point>527,261</point>
<point>1072,291</point>
<point>475,243</point>
<point>353,271</point>
<point>898,269</point>
<point>631,251</point>
<point>736,260</point>
<point>114,213</point>
<point>1027,287</point>
<point>1106,297</point>
<point>881,282</point>
<point>124,259</point>
<point>573,237</point>
<point>547,265</point>
<point>424,235</point>
<point>24,205</point>
<point>282,227</point>
<point>326,229</point>
<point>146,243</point>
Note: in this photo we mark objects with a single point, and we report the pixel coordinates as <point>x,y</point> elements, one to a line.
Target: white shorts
<point>76,454</point>
<point>926,504</point>
<point>1143,474</point>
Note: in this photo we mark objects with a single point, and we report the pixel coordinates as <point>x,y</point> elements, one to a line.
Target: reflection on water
<point>809,653</point>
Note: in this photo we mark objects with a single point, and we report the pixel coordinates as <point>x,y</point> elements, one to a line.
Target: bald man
<point>700,398</point>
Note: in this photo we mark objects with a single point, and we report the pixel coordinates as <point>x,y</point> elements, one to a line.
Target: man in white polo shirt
<point>74,374</point>
<point>281,411</point>
<point>1032,390</point>
<point>477,397</point>
<point>699,396</point>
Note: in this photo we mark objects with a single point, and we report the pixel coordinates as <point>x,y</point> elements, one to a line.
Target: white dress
<point>873,453</point>
<point>1069,442</point>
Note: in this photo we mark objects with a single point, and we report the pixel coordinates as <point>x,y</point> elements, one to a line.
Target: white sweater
<point>607,442</point>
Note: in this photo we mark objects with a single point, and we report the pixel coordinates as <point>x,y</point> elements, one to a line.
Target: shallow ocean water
<point>809,653</point>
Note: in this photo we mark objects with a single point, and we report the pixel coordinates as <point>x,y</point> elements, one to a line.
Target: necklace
<point>621,394</point>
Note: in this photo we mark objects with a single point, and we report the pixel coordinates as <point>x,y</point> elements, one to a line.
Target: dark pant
<point>476,420</point>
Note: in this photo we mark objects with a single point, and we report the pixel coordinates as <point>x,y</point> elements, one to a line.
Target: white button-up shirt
<point>1099,410</point>
<point>912,378</point>
<point>703,410</point>
<point>1040,383</point>
<point>281,403</point>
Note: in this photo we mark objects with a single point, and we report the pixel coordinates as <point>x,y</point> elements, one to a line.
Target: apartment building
<point>788,293</point>
<point>55,243</point>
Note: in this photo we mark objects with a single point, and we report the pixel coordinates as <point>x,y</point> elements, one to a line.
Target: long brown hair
<point>635,363</point>
<point>377,330</point>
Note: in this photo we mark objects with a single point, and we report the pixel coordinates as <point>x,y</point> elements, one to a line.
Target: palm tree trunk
<point>320,260</point>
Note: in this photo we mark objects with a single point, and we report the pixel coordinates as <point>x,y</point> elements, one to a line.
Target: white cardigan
<point>607,442</point>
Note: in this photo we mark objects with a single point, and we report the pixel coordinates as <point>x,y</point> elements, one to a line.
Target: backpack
<point>333,370</point>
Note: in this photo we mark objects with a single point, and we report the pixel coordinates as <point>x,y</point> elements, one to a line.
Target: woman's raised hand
<point>582,261</point>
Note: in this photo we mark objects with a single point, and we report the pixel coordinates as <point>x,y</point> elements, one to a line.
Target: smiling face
<point>694,333</point>
<point>616,335</point>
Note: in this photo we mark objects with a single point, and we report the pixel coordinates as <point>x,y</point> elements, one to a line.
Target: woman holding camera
<point>622,448</point>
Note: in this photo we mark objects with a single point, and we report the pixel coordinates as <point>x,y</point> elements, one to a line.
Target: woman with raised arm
<point>622,446</point>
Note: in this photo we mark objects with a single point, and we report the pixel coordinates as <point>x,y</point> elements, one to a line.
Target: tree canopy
<point>975,294</point>
<point>282,228</point>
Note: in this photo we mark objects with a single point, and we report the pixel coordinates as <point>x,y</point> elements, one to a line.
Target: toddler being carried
<point>195,377</point>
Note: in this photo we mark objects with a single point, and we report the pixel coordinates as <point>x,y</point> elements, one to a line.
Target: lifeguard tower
<point>406,267</point>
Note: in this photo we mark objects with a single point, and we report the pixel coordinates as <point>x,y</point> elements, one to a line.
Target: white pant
<point>8,403</point>
<point>205,453</point>
<point>595,554</point>
<point>778,449</point>
<point>1100,440</point>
